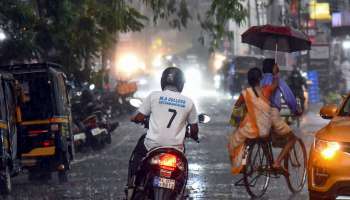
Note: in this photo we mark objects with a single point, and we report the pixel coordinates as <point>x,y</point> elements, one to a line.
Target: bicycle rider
<point>257,120</point>
<point>279,126</point>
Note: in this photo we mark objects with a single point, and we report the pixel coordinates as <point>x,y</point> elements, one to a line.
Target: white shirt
<point>169,112</point>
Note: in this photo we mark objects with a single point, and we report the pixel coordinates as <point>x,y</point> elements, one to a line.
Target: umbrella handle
<point>276,52</point>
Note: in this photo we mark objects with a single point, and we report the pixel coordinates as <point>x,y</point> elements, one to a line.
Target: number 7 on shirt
<point>172,117</point>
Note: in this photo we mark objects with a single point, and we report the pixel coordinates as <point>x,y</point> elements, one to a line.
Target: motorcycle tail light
<point>47,143</point>
<point>168,162</point>
<point>91,122</point>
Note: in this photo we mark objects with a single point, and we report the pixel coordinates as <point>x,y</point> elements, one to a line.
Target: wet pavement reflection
<point>102,175</point>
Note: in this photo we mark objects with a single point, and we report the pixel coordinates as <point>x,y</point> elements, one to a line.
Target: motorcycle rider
<point>169,114</point>
<point>279,126</point>
<point>297,83</point>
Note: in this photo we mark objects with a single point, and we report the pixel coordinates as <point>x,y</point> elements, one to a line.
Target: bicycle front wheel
<point>255,174</point>
<point>296,164</point>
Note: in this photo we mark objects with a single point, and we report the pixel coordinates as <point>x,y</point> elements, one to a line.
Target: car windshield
<point>345,110</point>
<point>37,103</point>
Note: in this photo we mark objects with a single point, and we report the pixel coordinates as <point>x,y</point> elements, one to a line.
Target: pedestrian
<point>257,120</point>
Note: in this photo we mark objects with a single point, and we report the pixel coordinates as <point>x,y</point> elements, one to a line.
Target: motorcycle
<point>163,173</point>
<point>93,125</point>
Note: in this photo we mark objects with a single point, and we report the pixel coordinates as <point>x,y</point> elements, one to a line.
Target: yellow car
<point>329,162</point>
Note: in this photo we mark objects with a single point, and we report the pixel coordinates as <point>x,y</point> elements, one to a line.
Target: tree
<point>18,22</point>
<point>72,33</point>
<point>214,22</point>
<point>76,33</point>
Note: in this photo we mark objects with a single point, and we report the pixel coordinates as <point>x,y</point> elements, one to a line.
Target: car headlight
<point>327,149</point>
<point>129,64</point>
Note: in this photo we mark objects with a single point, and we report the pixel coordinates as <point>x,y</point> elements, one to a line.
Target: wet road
<point>101,175</point>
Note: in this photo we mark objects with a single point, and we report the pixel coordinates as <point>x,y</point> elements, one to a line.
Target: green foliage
<point>18,20</point>
<point>215,21</point>
<point>218,17</point>
<point>175,11</point>
<point>74,33</point>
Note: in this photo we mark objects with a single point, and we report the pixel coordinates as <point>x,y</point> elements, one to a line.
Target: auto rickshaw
<point>9,157</point>
<point>46,140</point>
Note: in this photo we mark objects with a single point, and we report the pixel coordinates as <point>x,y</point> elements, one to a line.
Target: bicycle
<point>258,160</point>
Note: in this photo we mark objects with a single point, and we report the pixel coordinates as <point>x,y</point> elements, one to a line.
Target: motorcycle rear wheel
<point>138,195</point>
<point>163,194</point>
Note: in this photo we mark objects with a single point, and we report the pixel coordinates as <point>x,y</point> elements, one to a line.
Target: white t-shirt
<point>169,112</point>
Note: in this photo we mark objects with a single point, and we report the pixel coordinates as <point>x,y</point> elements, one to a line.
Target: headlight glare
<point>326,148</point>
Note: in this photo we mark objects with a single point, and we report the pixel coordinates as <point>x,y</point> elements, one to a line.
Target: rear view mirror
<point>328,111</point>
<point>203,118</point>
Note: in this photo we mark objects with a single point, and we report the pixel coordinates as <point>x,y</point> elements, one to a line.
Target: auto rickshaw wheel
<point>5,181</point>
<point>45,176</point>
<point>62,176</point>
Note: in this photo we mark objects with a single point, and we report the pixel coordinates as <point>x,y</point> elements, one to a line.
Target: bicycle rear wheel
<point>296,164</point>
<point>255,174</point>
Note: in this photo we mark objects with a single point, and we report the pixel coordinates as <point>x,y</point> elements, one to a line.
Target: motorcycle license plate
<point>96,131</point>
<point>79,136</point>
<point>164,183</point>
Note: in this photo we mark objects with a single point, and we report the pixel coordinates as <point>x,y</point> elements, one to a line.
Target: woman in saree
<point>257,120</point>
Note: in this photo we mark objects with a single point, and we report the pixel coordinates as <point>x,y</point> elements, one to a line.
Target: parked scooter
<point>93,124</point>
<point>163,173</point>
